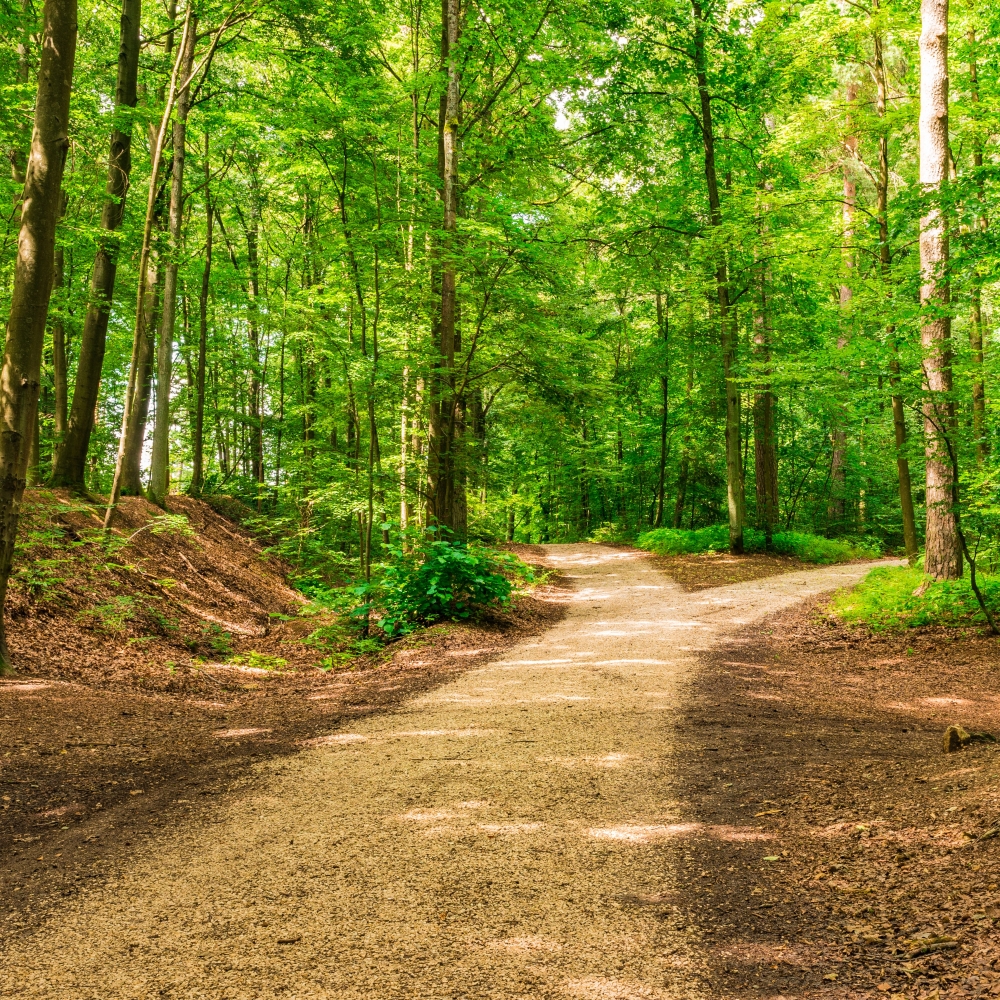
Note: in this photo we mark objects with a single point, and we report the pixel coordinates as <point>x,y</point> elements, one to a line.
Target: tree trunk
<point>685,467</point>
<point>885,259</point>
<point>976,318</point>
<point>440,461</point>
<point>663,325</point>
<point>59,375</point>
<point>836,511</point>
<point>71,452</point>
<point>142,336</point>
<point>198,444</point>
<point>765,449</point>
<point>734,464</point>
<point>138,405</point>
<point>943,555</point>
<point>159,472</point>
<point>22,362</point>
<point>256,426</point>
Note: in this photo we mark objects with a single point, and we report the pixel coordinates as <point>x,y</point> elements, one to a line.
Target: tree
<point>19,379</point>
<point>943,557</point>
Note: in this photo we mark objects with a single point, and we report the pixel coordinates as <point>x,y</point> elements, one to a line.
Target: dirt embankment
<point>124,713</point>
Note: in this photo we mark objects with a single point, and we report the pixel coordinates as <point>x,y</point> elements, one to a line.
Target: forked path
<point>490,839</point>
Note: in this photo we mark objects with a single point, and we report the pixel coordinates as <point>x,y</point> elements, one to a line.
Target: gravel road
<point>512,834</point>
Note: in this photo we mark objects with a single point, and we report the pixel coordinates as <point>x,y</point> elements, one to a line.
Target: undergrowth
<point>896,597</point>
<point>715,538</point>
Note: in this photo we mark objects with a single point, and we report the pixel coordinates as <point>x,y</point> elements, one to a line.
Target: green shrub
<point>817,549</point>
<point>113,615</point>
<point>433,578</point>
<point>892,597</point>
<point>715,538</point>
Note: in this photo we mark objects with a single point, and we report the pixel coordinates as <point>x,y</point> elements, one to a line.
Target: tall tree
<point>727,323</point>
<point>22,361</point>
<point>943,554</point>
<point>159,476</point>
<point>71,452</point>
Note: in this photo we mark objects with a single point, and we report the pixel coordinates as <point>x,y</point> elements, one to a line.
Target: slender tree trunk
<point>137,408</point>
<point>59,375</point>
<point>885,259</point>
<point>441,465</point>
<point>663,325</point>
<point>198,444</point>
<point>22,362</point>
<point>159,472</point>
<point>134,390</point>
<point>943,554</point>
<point>836,511</point>
<point>734,464</point>
<point>685,466</point>
<point>764,445</point>
<point>976,318</point>
<point>256,426</point>
<point>71,452</point>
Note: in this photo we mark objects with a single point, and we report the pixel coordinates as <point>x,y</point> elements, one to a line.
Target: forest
<point>537,271</point>
<point>500,498</point>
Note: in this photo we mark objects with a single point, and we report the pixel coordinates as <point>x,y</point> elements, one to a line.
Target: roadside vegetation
<point>802,545</point>
<point>898,597</point>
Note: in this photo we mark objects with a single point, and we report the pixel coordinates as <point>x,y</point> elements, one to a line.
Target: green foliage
<point>258,661</point>
<point>431,578</point>
<point>804,546</point>
<point>216,639</point>
<point>894,597</point>
<point>817,549</point>
<point>40,578</point>
<point>112,616</point>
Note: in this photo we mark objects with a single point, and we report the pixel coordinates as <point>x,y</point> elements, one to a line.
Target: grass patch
<point>896,597</point>
<point>715,538</point>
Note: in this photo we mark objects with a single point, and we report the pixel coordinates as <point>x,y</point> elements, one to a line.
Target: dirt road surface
<point>503,836</point>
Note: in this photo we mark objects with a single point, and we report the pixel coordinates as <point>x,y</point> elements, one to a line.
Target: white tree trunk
<point>943,556</point>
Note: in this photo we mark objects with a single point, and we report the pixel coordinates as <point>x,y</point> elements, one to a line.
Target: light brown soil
<point>703,570</point>
<point>517,832</point>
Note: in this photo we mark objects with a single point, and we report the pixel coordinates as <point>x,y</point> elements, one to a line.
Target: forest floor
<point>698,791</point>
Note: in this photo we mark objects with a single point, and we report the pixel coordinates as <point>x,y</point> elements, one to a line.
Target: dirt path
<point>512,834</point>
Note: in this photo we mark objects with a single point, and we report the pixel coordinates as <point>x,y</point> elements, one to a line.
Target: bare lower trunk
<point>764,445</point>
<point>159,470</point>
<point>59,354</point>
<point>138,405</point>
<point>836,511</point>
<point>198,443</point>
<point>943,555</point>
<point>734,457</point>
<point>22,362</point>
<point>662,322</point>
<point>70,459</point>
<point>976,317</point>
<point>440,462</point>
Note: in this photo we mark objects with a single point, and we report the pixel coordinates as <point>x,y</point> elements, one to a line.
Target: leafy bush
<point>892,597</point>
<point>433,578</point>
<point>817,549</point>
<point>715,538</point>
<point>113,615</point>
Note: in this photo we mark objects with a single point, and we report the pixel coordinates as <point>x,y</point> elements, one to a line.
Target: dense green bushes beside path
<point>893,597</point>
<point>808,548</point>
